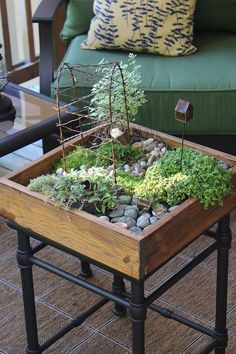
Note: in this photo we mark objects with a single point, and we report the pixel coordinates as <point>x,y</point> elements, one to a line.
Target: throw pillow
<point>215,15</point>
<point>155,26</point>
<point>78,16</point>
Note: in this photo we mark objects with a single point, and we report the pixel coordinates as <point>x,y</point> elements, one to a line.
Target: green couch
<point>206,78</point>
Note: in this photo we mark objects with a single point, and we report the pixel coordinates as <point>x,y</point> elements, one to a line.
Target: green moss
<point>77,158</point>
<point>123,154</point>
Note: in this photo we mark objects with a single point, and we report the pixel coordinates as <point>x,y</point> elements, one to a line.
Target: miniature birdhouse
<point>183,111</point>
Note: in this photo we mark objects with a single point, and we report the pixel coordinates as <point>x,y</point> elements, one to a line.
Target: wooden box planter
<point>133,255</point>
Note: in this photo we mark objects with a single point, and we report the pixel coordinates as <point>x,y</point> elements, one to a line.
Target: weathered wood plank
<point>77,230</point>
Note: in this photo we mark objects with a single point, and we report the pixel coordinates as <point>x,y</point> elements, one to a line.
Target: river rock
<point>143,164</point>
<point>134,207</point>
<point>127,220</point>
<point>148,142</point>
<point>122,224</point>
<point>136,229</point>
<point>143,221</point>
<point>153,219</point>
<point>117,213</point>
<point>104,218</point>
<point>132,213</point>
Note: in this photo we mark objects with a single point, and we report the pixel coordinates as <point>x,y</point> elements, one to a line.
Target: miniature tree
<point>116,96</point>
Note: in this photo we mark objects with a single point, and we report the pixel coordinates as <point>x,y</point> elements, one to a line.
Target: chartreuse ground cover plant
<point>174,178</point>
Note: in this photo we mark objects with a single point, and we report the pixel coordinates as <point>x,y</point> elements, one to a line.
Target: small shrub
<point>135,97</point>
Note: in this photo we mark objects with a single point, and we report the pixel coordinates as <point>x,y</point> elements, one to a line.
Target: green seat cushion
<point>78,16</point>
<point>215,15</point>
<point>207,79</point>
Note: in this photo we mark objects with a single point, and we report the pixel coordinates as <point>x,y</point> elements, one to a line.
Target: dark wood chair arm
<point>47,10</point>
<point>44,16</point>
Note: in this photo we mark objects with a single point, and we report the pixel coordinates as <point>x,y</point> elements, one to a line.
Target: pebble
<point>127,220</point>
<point>153,219</point>
<point>122,224</point>
<point>155,152</point>
<point>143,221</point>
<point>136,229</point>
<point>163,150</point>
<point>117,213</point>
<point>136,166</point>
<point>146,215</point>
<point>150,147</point>
<point>104,218</point>
<point>151,160</point>
<point>147,142</point>
<point>133,207</point>
<point>131,213</point>
<point>143,164</point>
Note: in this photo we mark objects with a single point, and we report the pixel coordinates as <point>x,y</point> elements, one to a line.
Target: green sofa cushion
<point>78,16</point>
<point>206,79</point>
<point>215,15</point>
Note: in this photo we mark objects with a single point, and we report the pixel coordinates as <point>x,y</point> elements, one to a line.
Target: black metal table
<point>135,301</point>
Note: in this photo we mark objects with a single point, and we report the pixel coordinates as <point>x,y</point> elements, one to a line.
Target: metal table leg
<point>138,310</point>
<point>24,251</point>
<point>224,239</point>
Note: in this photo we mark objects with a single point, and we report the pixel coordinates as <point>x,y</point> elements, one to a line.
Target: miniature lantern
<point>183,111</point>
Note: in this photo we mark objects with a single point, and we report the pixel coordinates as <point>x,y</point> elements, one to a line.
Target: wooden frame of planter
<point>133,255</point>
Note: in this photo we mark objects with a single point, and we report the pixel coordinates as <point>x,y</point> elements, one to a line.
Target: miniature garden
<point>121,176</point>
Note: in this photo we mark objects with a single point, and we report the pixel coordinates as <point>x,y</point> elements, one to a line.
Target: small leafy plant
<point>112,84</point>
<point>84,188</point>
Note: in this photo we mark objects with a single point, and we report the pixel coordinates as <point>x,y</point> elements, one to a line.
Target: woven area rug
<point>58,301</point>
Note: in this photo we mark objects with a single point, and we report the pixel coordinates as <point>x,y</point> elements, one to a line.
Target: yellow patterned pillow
<point>154,26</point>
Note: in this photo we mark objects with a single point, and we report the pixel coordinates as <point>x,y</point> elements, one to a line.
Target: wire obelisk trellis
<point>78,97</point>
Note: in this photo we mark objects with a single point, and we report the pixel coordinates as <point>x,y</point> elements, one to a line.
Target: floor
<point>58,301</point>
